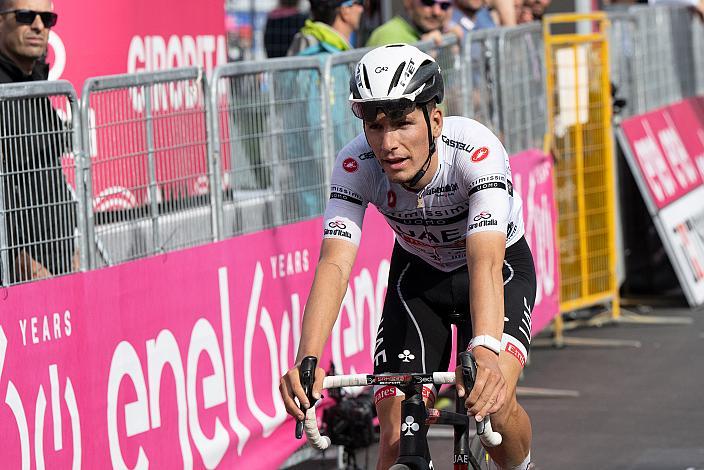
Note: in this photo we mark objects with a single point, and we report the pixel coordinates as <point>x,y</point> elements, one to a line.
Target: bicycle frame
<point>416,417</point>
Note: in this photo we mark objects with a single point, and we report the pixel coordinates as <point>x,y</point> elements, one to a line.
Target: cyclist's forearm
<point>322,307</point>
<point>486,295</point>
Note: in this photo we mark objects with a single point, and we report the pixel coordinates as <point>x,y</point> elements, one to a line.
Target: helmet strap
<point>431,150</point>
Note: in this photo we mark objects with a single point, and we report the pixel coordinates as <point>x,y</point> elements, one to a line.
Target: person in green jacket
<point>330,28</point>
<point>423,20</point>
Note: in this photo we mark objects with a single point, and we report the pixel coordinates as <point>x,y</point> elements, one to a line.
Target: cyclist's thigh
<point>519,298</point>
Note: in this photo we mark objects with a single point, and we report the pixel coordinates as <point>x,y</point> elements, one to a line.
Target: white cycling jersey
<point>470,192</point>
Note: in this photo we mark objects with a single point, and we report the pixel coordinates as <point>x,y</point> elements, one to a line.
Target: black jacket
<point>39,208</point>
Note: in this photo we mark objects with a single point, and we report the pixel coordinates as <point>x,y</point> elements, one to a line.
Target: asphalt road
<point>638,408</point>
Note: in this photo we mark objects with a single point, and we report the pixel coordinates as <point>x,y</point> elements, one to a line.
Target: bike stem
<point>413,443</point>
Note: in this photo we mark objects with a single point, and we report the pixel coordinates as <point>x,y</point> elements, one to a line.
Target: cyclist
<point>444,186</point>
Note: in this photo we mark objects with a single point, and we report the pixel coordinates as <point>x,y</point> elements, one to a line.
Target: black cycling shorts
<point>415,333</point>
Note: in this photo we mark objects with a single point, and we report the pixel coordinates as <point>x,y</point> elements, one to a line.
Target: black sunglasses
<point>430,3</point>
<point>394,109</point>
<point>49,18</point>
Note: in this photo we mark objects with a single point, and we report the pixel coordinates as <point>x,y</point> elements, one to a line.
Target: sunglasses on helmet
<point>49,18</point>
<point>349,3</point>
<point>393,109</point>
<point>430,3</point>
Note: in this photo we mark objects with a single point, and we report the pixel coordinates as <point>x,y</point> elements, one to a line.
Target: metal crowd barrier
<point>42,228</point>
<point>171,163</point>
<point>150,173</point>
<point>269,141</point>
<point>521,83</point>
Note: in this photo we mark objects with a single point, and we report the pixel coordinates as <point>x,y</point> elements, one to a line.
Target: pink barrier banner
<point>665,151</point>
<point>174,361</point>
<point>134,36</point>
<point>533,177</point>
<point>668,148</point>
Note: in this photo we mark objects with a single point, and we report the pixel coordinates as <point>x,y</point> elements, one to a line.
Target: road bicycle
<point>416,418</point>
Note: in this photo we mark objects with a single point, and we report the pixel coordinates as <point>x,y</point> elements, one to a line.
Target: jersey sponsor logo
<point>457,144</point>
<point>350,165</point>
<point>383,393</point>
<point>448,188</point>
<point>381,69</point>
<point>435,239</point>
<point>414,220</point>
<point>483,215</point>
<point>337,229</point>
<point>366,155</point>
<point>480,154</point>
<point>487,185</point>
<point>516,352</point>
<point>345,197</point>
<point>483,223</point>
<point>391,199</point>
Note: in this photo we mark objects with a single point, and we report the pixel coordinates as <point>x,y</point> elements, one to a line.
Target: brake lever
<point>306,374</point>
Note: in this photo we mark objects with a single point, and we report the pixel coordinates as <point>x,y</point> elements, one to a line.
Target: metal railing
<point>42,228</point>
<point>170,163</point>
<point>150,172</point>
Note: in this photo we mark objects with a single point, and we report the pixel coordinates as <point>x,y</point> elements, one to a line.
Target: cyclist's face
<point>401,146</point>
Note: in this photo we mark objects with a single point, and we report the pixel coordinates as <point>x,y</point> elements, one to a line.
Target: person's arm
<point>506,11</point>
<point>322,308</point>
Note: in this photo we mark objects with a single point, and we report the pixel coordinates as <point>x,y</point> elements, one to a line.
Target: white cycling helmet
<point>394,79</point>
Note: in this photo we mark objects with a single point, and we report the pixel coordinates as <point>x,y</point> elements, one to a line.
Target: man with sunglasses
<point>39,208</point>
<point>330,28</point>
<point>422,20</point>
<point>444,187</point>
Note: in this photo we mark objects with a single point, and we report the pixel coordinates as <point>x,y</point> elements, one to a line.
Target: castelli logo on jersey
<point>391,199</point>
<point>350,165</point>
<point>480,154</point>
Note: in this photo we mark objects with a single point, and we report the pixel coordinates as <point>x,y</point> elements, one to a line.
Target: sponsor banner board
<point>664,149</point>
<point>174,361</point>
<point>532,172</point>
<point>105,38</point>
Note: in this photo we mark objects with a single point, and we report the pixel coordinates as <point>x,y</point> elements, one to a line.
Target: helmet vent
<point>397,76</point>
<point>366,78</point>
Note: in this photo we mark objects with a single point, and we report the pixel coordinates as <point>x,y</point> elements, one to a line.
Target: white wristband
<point>487,341</point>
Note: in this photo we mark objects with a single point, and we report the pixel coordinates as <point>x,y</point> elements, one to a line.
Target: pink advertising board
<point>533,178</point>
<point>173,361</point>
<point>105,38</point>
<point>665,151</point>
<point>667,146</point>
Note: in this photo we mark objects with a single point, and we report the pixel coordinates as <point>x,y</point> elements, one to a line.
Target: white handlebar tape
<point>335,381</point>
<point>490,438</point>
<point>310,425</point>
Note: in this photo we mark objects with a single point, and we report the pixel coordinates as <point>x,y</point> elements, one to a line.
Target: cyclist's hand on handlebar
<point>290,388</point>
<point>489,392</point>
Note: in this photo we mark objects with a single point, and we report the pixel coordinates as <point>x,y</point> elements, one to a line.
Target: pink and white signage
<point>173,361</point>
<point>105,38</point>
<point>533,177</point>
<point>665,151</point>
<point>668,149</point>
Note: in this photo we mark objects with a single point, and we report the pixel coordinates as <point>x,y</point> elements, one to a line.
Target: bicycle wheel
<point>480,454</point>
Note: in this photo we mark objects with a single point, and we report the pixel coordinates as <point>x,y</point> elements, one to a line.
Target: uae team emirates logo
<point>350,165</point>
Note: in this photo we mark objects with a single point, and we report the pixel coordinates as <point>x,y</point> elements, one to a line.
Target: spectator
<point>537,8</point>
<point>282,24</point>
<point>39,209</point>
<point>423,20</point>
<point>472,14</point>
<point>330,27</point>
<point>524,13</point>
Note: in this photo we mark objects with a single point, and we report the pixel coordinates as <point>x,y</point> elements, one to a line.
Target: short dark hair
<point>324,11</point>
